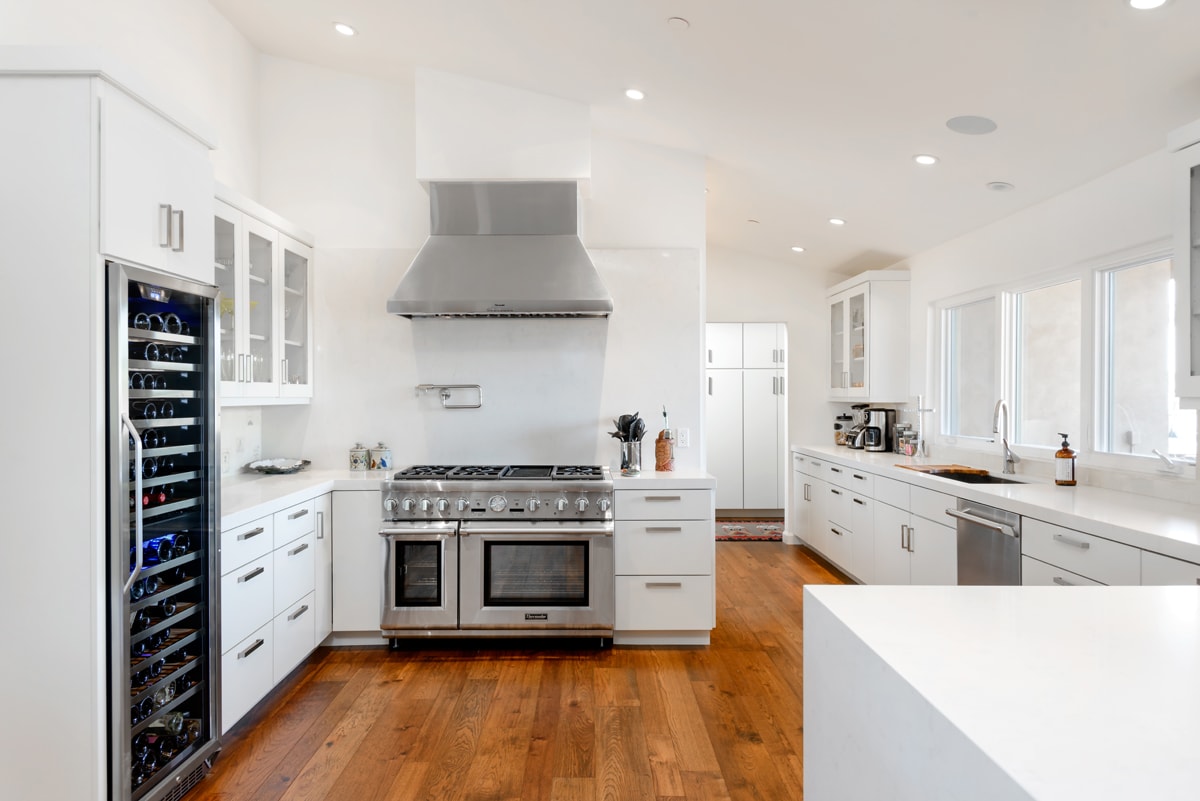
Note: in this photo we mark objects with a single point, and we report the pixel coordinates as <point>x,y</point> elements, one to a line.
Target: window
<point>1138,412</point>
<point>969,358</point>
<point>1048,330</point>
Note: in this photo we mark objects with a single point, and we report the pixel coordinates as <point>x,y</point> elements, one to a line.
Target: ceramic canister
<point>381,457</point>
<point>358,457</point>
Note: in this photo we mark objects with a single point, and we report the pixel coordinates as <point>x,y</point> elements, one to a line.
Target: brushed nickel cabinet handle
<point>295,515</point>
<point>297,613</point>
<point>257,644</point>
<point>650,585</point>
<point>251,533</point>
<point>165,221</point>
<point>298,549</point>
<point>320,525</point>
<point>1065,540</point>
<point>177,214</point>
<point>255,573</point>
<point>663,529</point>
<point>1062,582</point>
<point>664,498</point>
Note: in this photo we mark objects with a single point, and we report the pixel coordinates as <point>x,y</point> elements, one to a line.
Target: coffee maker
<point>877,429</point>
<point>856,436</point>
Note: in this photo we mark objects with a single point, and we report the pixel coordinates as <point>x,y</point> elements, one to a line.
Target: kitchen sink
<point>975,478</point>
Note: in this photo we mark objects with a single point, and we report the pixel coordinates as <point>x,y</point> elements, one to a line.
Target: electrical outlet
<point>683,438</point>
<point>224,461</point>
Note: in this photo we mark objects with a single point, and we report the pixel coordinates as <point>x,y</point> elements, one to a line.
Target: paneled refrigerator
<point>163,479</point>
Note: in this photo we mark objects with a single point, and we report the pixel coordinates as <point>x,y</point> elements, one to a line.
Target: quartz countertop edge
<point>1171,528</point>
<point>1089,693</point>
<point>675,479</point>
<point>249,496</point>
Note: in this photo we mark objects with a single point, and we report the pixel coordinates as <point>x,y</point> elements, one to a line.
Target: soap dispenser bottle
<point>1064,464</point>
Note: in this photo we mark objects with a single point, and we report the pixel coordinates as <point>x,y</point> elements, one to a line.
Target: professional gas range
<point>498,550</point>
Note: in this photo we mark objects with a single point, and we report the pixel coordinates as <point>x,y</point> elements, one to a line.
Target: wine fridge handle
<point>137,500</point>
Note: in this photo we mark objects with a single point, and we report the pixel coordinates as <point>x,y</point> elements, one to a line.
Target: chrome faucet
<point>1010,458</point>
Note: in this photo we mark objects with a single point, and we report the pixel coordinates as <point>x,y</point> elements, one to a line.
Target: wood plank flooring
<point>547,721</point>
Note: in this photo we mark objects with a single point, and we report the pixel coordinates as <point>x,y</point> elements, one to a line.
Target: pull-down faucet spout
<point>1003,429</point>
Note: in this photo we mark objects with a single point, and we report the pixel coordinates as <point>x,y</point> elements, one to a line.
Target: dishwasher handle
<point>1008,531</point>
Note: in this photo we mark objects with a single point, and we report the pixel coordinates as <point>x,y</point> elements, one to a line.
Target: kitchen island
<point>1001,693</point>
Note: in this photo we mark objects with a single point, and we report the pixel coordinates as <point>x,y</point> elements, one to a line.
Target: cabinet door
<point>891,536</point>
<point>817,516</point>
<point>723,430</point>
<point>1159,569</point>
<point>295,319</point>
<point>838,539</point>
<point>323,590</point>
<point>724,345</point>
<point>762,444</point>
<point>358,569</point>
<point>933,551</point>
<point>156,190</point>
<point>839,375</point>
<point>1186,268</point>
<point>230,275</point>
<point>862,523</point>
<point>260,361</point>
<point>857,356</point>
<point>760,346</point>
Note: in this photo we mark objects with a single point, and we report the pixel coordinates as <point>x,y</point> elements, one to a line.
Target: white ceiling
<point>809,110</point>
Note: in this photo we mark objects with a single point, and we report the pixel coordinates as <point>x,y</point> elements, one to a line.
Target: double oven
<point>498,551</point>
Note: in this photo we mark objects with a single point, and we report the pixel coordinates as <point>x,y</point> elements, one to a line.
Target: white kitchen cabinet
<point>1159,569</point>
<point>1036,573</point>
<point>723,433</point>
<point>915,547</point>
<point>763,438</point>
<point>868,337</point>
<point>1185,144</point>
<point>809,491</point>
<point>862,542</point>
<point>157,213</point>
<point>1087,555</point>
<point>323,584</point>
<point>723,343</point>
<point>358,563</point>
<point>764,346</point>
<point>665,558</point>
<point>263,267</point>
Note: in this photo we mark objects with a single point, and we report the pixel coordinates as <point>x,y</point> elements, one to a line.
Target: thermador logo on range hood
<point>502,249</point>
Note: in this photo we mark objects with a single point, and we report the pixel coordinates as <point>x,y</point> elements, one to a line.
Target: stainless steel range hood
<point>502,249</point>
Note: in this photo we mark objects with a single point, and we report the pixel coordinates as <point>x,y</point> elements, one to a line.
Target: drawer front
<point>837,474</point>
<point>246,543</point>
<point>837,506</point>
<point>246,675</point>
<point>295,571</point>
<point>665,603</point>
<point>295,521</point>
<point>1036,573</point>
<point>247,600</point>
<point>676,547</point>
<point>862,482</point>
<point>891,492</point>
<point>1096,558</point>
<point>931,505</point>
<point>1159,569</point>
<point>664,505</point>
<point>814,467</point>
<point>295,636</point>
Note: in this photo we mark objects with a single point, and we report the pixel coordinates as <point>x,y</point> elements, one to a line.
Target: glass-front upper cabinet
<point>1186,146</point>
<point>228,264</point>
<point>295,379</point>
<point>848,343</point>
<point>868,337</point>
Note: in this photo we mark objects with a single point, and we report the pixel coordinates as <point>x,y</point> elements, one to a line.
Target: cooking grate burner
<point>423,471</point>
<point>478,471</point>
<point>590,472</point>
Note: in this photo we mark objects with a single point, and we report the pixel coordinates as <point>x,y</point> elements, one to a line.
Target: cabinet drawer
<point>246,675</point>
<point>891,492</point>
<point>664,504</point>
<point>861,481</point>
<point>295,636</point>
<point>664,603</point>
<point>294,521</point>
<point>246,543</point>
<point>1159,569</point>
<point>1096,558</point>
<point>247,600</point>
<point>295,571</point>
<point>837,506</point>
<point>683,547</point>
<point>931,505</point>
<point>1036,573</point>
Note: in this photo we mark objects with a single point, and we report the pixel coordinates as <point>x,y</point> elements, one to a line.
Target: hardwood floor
<point>543,721</point>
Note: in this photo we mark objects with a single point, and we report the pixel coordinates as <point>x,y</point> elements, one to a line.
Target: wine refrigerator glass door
<point>163,514</point>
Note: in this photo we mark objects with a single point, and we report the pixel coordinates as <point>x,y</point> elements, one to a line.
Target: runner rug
<point>755,530</point>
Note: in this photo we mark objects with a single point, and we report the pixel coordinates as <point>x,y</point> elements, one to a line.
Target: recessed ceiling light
<point>925,158</point>
<point>344,29</point>
<point>1146,5</point>
<point>635,94</point>
<point>971,125</point>
<point>678,23</point>
<point>797,249</point>
<point>836,221</point>
<point>999,186</point>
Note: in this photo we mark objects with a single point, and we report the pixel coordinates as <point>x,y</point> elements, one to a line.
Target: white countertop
<point>675,479</point>
<point>1086,693</point>
<point>1167,527</point>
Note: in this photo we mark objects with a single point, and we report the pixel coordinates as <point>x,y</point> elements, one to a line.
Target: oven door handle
<point>425,532</point>
<point>534,531</point>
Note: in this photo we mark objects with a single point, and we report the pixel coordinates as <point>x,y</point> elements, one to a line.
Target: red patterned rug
<point>753,530</point>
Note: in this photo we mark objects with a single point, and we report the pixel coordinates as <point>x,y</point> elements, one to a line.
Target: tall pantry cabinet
<point>1184,145</point>
<point>746,413</point>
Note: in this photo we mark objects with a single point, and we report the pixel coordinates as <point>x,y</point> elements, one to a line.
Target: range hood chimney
<point>502,249</point>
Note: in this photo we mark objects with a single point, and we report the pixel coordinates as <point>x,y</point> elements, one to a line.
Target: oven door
<point>420,579</point>
<point>549,576</point>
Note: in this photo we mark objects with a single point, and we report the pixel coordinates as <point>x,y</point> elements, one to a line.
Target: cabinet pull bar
<point>710,355</point>
<point>1065,540</point>
<point>835,470</point>
<point>808,497</point>
<point>257,644</point>
<point>774,356</point>
<point>911,531</point>
<point>663,529</point>
<point>1062,582</point>
<point>710,385</point>
<point>835,531</point>
<point>1000,528</point>
<point>664,498</point>
<point>860,478</point>
<point>298,549</point>
<point>782,385</point>
<point>258,571</point>
<point>836,492</point>
<point>298,613</point>
<point>663,584</point>
<point>295,515</point>
<point>164,225</point>
<point>320,525</point>
<point>782,357</point>
<point>177,213</point>
<point>859,501</point>
<point>252,533</point>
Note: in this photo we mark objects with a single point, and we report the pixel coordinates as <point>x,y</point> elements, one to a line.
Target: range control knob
<point>603,503</point>
<point>532,504</point>
<point>581,505</point>
<point>497,503</point>
<point>426,504</point>
<point>408,504</point>
<point>443,505</point>
<point>560,505</point>
<point>391,505</point>
<point>461,504</point>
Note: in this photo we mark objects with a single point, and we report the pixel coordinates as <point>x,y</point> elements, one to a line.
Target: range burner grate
<point>578,472</point>
<point>478,471</point>
<point>424,471</point>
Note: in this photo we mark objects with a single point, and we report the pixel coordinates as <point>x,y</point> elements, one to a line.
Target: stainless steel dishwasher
<point>989,544</point>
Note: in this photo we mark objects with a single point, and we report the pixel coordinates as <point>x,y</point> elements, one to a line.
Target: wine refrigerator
<point>163,479</point>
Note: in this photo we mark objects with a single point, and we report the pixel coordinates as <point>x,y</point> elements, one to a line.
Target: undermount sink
<point>976,478</point>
